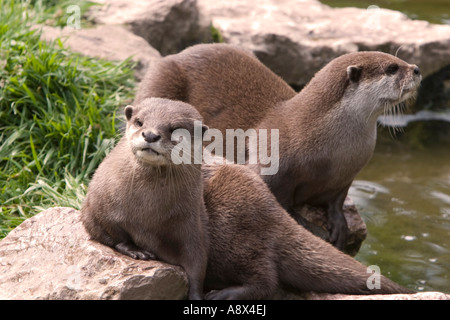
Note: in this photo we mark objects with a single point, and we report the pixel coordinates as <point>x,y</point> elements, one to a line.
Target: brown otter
<point>142,204</point>
<point>327,131</point>
<point>145,207</point>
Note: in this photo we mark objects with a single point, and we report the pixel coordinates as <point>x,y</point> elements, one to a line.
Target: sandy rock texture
<point>50,256</point>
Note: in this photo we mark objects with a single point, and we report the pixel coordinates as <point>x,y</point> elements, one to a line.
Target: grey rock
<point>169,26</point>
<point>297,38</point>
<point>108,42</point>
<point>50,256</point>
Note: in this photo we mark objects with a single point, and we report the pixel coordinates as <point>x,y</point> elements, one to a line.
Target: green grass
<point>57,114</point>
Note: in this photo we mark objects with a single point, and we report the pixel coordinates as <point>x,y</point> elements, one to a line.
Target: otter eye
<point>138,123</point>
<point>392,69</point>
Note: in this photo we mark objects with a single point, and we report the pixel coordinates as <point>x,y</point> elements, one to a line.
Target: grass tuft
<point>57,114</point>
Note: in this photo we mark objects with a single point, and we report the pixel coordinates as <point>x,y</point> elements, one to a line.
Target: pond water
<point>403,195</point>
<point>435,11</point>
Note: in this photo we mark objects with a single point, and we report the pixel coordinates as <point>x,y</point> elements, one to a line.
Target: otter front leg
<point>195,264</point>
<point>337,224</point>
<point>121,241</point>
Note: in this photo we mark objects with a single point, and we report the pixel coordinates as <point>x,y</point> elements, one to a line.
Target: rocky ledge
<point>50,256</point>
<point>294,38</point>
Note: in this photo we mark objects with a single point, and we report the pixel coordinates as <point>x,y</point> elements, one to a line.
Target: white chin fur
<point>150,153</point>
<point>151,158</point>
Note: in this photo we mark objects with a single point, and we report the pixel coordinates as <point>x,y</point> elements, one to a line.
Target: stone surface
<point>416,296</point>
<point>169,26</point>
<point>107,42</point>
<point>296,38</point>
<point>357,227</point>
<point>50,256</point>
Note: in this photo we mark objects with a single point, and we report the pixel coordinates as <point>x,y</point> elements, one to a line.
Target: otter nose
<point>416,71</point>
<point>150,136</point>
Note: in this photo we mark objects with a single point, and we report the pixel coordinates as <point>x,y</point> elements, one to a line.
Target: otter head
<point>156,126</point>
<point>377,82</point>
<point>366,83</point>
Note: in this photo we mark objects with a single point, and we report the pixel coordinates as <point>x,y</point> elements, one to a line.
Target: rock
<point>357,227</point>
<point>297,38</point>
<point>416,296</point>
<point>169,26</point>
<point>50,256</point>
<point>434,91</point>
<point>112,43</point>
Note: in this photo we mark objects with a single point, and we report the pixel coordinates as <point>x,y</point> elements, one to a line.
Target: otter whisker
<point>370,114</point>
<point>397,115</point>
<point>402,87</point>
<point>388,114</point>
<point>392,123</point>
<point>396,52</point>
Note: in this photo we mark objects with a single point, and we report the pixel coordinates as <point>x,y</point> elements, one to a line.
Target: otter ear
<point>128,111</point>
<point>354,73</point>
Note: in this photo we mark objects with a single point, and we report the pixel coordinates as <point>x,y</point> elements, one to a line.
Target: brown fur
<point>257,246</point>
<point>325,140</point>
<point>254,245</point>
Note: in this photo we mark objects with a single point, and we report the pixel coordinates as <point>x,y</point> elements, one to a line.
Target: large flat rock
<point>169,26</point>
<point>50,256</point>
<point>109,42</point>
<point>296,38</point>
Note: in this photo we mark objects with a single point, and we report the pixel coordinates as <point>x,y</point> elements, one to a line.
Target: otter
<point>146,208</point>
<point>327,131</point>
<point>144,205</point>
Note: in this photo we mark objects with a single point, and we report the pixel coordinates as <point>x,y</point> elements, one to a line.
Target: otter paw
<point>338,235</point>
<point>134,251</point>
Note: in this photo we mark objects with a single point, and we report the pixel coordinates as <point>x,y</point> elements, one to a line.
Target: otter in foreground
<point>327,132</point>
<point>147,207</point>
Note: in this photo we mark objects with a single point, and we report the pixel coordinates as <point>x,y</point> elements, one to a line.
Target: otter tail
<point>312,264</point>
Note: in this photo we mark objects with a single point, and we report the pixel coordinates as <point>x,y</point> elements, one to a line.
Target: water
<point>434,11</point>
<point>403,195</point>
